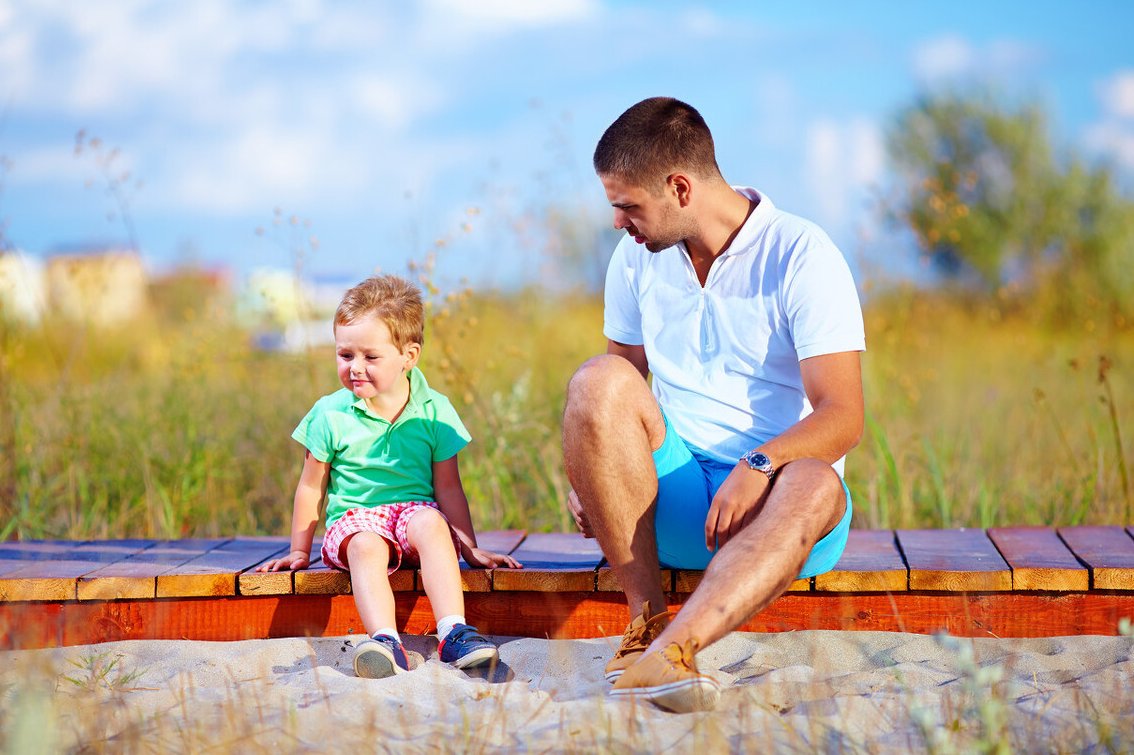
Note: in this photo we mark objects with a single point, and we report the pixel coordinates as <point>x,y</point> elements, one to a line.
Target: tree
<point>991,202</point>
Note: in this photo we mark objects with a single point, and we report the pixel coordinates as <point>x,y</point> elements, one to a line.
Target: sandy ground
<point>799,691</point>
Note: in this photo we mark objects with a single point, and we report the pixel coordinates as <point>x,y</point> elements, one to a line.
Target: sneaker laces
<point>682,655</point>
<point>638,638</point>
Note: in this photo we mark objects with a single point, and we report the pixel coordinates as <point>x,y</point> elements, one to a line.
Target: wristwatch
<point>760,462</point>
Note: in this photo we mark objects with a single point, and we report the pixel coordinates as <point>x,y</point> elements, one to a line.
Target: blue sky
<point>383,128</point>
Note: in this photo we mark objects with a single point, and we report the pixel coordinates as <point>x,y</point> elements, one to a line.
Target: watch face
<point>760,460</point>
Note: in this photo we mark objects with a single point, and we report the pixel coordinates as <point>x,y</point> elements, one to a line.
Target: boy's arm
<point>451,499</point>
<point>304,515</point>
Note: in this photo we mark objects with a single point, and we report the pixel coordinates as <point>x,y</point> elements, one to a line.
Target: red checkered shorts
<point>388,520</point>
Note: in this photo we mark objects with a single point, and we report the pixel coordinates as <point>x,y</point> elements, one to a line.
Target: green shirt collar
<point>419,397</point>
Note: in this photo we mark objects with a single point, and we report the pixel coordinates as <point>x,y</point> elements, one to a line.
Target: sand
<point>797,691</point>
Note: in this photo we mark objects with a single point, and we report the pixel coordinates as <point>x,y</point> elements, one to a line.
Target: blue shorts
<point>687,482</point>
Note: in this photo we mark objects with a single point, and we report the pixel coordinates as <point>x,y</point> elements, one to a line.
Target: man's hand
<point>738,500</point>
<point>576,509</point>
<point>292,561</point>
<point>482,559</point>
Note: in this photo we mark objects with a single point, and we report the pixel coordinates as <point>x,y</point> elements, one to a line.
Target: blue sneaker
<point>379,657</point>
<point>465,648</point>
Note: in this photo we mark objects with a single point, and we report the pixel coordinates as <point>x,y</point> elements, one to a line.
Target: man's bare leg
<point>611,427</point>
<point>757,566</point>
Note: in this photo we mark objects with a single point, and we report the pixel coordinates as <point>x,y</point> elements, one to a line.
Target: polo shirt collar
<point>419,397</point>
<point>753,224</point>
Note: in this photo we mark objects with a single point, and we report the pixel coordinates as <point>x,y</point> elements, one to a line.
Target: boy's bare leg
<point>756,566</point>
<point>368,558</point>
<point>611,427</point>
<point>429,534</point>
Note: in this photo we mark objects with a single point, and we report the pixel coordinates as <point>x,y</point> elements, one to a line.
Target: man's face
<point>653,219</point>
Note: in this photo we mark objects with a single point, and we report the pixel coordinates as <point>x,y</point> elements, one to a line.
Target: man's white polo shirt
<point>725,357</point>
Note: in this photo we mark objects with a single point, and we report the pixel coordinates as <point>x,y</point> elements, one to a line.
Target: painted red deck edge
<point>554,615</point>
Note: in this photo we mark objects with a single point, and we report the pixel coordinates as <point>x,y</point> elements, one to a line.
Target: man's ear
<point>681,186</point>
<point>411,353</point>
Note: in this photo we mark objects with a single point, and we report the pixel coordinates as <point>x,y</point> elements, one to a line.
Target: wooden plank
<point>215,572</point>
<point>607,581</point>
<point>956,560</point>
<point>555,615</point>
<point>36,550</point>
<point>136,575</point>
<point>1108,551</point>
<point>687,580</point>
<point>553,562</point>
<point>1039,559</point>
<point>53,568</point>
<point>10,566</point>
<point>252,582</point>
<point>501,541</point>
<point>497,541</point>
<point>870,563</point>
<point>320,579</point>
<point>45,580</point>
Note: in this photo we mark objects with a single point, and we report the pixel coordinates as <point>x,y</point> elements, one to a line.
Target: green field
<point>176,426</point>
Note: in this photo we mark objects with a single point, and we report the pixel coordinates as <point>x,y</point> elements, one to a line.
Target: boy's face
<point>369,363</point>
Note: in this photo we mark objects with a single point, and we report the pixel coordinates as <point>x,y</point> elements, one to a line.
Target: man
<point>748,319</point>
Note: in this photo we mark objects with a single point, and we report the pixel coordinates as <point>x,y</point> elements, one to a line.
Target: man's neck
<point>726,212</point>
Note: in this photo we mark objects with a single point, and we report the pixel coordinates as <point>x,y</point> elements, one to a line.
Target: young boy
<point>384,453</point>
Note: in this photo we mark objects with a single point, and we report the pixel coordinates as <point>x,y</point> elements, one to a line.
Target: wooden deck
<point>1004,582</point>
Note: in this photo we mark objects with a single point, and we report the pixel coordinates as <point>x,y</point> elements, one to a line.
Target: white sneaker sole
<point>482,657</point>
<point>680,697</point>
<point>373,660</point>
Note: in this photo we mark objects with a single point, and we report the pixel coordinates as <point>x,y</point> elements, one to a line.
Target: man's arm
<point>636,355</point>
<point>833,384</point>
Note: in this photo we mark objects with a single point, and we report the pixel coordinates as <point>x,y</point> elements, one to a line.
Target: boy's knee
<point>367,545</point>
<point>427,523</point>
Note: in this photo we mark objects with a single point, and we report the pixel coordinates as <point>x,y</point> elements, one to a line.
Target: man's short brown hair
<point>393,300</point>
<point>654,139</point>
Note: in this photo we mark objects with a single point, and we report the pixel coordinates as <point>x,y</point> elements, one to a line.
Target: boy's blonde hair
<point>393,300</point>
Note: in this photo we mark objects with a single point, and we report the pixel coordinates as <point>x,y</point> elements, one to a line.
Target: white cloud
<point>843,159</point>
<point>1117,94</point>
<point>1113,134</point>
<point>1112,138</point>
<point>944,57</point>
<point>516,13</point>
<point>951,57</point>
<point>702,22</point>
<point>17,42</point>
<point>394,102</point>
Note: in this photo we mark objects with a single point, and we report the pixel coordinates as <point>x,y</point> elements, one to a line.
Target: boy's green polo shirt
<point>374,462</point>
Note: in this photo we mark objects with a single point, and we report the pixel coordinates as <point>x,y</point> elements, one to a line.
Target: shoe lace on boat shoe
<point>641,632</point>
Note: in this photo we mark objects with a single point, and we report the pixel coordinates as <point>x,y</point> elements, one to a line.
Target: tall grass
<point>177,426</point>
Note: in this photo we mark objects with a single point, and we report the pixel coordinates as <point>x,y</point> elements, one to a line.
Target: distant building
<point>293,314</point>
<point>23,289</point>
<point>190,292</point>
<point>101,287</point>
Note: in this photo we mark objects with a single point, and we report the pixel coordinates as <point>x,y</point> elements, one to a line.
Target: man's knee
<point>815,489</point>
<point>600,387</point>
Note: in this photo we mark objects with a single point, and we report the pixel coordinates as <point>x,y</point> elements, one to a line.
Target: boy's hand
<point>482,559</point>
<point>292,561</point>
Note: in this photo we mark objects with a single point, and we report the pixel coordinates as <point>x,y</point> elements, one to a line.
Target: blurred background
<point>187,189</point>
